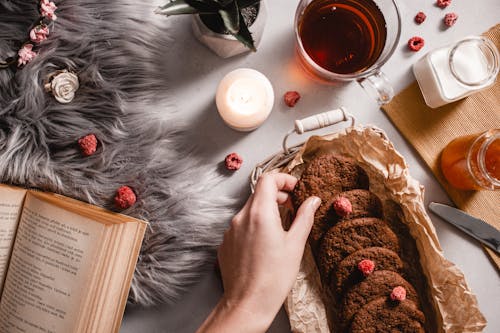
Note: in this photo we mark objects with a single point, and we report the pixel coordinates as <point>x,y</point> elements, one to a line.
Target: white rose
<point>63,86</point>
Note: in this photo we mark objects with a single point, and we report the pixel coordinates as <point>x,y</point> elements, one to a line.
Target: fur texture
<point>114,48</point>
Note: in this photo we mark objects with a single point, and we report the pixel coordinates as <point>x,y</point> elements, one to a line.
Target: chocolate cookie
<point>321,224</point>
<point>362,203</point>
<point>376,285</point>
<point>347,273</point>
<point>350,236</point>
<point>383,315</point>
<point>327,175</point>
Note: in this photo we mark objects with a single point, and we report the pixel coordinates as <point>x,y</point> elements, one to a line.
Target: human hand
<point>259,260</point>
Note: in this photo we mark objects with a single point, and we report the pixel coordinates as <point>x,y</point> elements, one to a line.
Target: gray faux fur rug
<point>115,51</point>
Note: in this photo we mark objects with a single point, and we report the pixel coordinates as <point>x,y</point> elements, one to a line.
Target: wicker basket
<point>454,304</point>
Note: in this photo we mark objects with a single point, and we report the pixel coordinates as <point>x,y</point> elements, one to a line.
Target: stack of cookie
<point>362,259</point>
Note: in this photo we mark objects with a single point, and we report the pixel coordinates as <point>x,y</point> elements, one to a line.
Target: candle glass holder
<point>244,99</point>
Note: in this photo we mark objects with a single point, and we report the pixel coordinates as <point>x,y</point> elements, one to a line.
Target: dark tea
<point>343,37</point>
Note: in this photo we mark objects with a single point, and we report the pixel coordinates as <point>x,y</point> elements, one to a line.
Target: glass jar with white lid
<point>453,72</point>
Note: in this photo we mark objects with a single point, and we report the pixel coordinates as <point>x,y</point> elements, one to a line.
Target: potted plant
<point>227,27</point>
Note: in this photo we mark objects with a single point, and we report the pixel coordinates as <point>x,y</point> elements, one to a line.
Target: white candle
<point>244,98</point>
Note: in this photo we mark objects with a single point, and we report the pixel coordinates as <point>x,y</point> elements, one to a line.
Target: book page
<point>104,312</point>
<point>11,201</point>
<point>50,269</point>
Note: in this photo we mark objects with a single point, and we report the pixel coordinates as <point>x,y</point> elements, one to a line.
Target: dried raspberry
<point>291,98</point>
<point>420,17</point>
<point>124,197</point>
<point>415,43</point>
<point>443,3</point>
<point>398,294</point>
<point>450,19</point>
<point>88,144</point>
<point>342,206</point>
<point>366,266</point>
<point>233,161</point>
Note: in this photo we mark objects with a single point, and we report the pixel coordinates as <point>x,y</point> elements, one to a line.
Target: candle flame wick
<point>245,98</point>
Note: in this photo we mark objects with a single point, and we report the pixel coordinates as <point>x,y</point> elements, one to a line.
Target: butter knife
<point>472,226</point>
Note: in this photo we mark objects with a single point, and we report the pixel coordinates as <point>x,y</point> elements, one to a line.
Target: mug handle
<point>377,86</point>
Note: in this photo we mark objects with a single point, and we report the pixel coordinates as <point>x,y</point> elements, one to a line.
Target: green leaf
<point>206,5</point>
<point>231,17</point>
<point>176,7</point>
<point>247,3</point>
<point>244,36</point>
<point>224,3</point>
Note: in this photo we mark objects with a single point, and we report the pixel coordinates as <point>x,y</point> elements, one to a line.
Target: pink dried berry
<point>443,3</point>
<point>420,17</point>
<point>233,161</point>
<point>366,266</point>
<point>416,43</point>
<point>450,19</point>
<point>125,197</point>
<point>88,144</point>
<point>291,98</point>
<point>342,206</point>
<point>398,294</point>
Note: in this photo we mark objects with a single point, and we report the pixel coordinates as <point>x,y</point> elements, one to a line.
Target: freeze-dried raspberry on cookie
<point>342,206</point>
<point>398,294</point>
<point>125,197</point>
<point>233,161</point>
<point>88,144</point>
<point>366,267</point>
<point>416,43</point>
<point>291,98</point>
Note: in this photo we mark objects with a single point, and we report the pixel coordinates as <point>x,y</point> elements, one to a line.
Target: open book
<point>65,266</point>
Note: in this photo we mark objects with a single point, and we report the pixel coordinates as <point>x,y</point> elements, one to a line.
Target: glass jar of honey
<point>472,162</point>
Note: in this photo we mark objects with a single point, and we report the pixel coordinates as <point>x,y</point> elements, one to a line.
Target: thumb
<point>301,226</point>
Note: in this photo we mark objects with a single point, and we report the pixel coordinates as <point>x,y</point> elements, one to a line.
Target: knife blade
<point>472,226</point>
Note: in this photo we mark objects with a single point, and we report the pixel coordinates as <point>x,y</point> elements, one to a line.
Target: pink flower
<point>39,33</point>
<point>26,54</point>
<point>47,8</point>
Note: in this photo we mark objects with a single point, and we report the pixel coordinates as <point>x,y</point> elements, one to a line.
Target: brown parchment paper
<point>455,305</point>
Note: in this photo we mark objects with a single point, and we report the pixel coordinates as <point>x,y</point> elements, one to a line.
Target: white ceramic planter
<point>226,46</point>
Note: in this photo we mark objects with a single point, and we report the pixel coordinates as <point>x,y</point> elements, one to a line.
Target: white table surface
<point>194,72</point>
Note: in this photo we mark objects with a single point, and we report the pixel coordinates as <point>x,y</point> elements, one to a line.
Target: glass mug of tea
<point>347,40</point>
